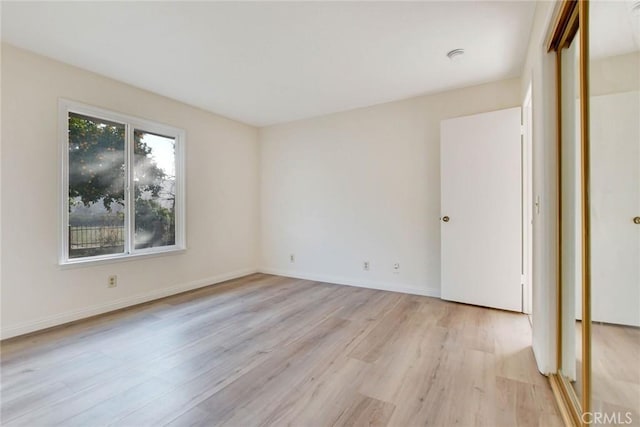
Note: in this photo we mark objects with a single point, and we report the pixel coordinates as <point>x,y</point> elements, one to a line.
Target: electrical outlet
<point>396,267</point>
<point>366,266</point>
<point>112,282</point>
<point>292,258</point>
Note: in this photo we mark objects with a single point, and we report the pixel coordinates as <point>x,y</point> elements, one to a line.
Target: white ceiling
<point>271,62</point>
<point>614,28</point>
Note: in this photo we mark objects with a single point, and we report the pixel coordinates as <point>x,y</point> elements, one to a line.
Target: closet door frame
<point>571,16</point>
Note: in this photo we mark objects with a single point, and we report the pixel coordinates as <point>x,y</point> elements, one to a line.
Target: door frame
<point>527,202</point>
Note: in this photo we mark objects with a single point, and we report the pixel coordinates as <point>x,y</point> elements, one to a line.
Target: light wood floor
<point>269,350</point>
<point>615,369</point>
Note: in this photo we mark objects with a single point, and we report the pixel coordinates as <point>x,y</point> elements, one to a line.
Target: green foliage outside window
<point>96,171</point>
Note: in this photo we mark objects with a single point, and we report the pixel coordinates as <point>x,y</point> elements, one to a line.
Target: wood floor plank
<point>194,417</point>
<point>512,337</point>
<point>524,404</point>
<point>56,411</point>
<point>419,354</point>
<point>259,387</point>
<point>385,332</point>
<point>16,405</point>
<point>117,407</point>
<point>320,397</point>
<point>170,406</point>
<point>366,411</point>
<point>266,350</point>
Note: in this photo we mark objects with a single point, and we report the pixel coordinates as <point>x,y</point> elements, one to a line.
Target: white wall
<point>222,198</point>
<point>614,74</point>
<point>539,71</point>
<point>363,185</point>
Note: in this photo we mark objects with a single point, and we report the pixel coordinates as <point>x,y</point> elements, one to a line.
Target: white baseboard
<point>70,316</point>
<point>428,292</point>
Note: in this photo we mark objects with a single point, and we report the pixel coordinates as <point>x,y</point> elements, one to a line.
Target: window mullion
<point>130,189</point>
<point>64,126</point>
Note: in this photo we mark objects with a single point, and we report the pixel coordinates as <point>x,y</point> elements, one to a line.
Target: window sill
<point>118,258</point>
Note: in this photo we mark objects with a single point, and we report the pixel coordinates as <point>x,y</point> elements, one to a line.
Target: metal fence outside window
<point>101,236</point>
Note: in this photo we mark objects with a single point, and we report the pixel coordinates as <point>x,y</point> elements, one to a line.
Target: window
<point>123,190</point>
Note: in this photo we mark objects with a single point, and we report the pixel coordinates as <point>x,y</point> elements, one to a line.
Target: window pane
<point>154,176</point>
<point>96,186</point>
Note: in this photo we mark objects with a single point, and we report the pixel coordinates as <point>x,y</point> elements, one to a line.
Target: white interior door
<point>480,158</point>
<point>615,201</point>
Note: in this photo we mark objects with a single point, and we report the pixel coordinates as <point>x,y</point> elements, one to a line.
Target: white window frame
<point>131,123</point>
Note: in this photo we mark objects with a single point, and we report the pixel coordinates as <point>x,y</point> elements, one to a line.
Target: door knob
<point>636,220</point>
<point>445,218</point>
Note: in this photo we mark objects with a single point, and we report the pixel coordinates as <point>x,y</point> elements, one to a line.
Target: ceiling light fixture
<point>455,54</point>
